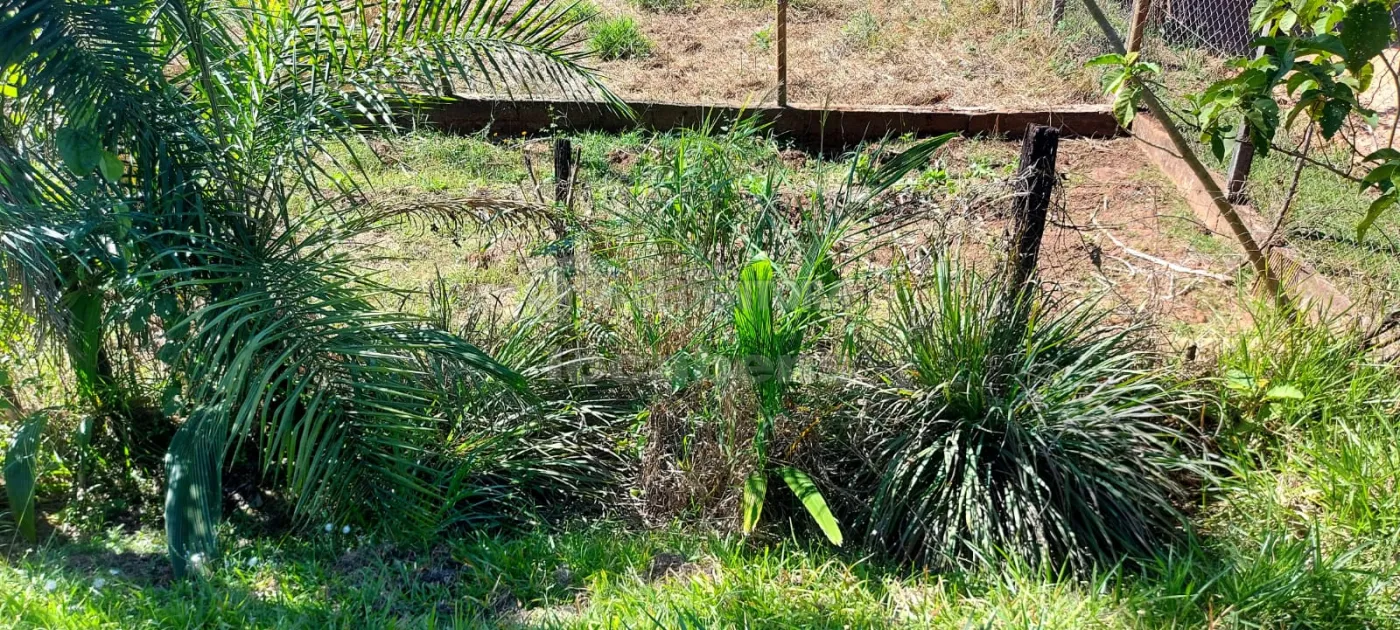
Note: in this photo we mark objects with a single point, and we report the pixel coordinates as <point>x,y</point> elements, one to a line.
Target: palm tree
<point>165,178</point>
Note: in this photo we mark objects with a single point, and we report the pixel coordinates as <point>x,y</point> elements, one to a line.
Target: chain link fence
<point>1221,26</point>
<point>1218,25</point>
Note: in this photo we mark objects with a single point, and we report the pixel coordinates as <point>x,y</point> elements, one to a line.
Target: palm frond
<point>339,396</point>
<point>211,124</point>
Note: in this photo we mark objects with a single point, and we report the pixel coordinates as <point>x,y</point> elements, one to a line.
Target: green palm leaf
<point>811,498</point>
<point>22,473</point>
<point>755,492</point>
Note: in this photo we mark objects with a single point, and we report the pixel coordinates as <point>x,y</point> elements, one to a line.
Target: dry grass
<point>893,52</point>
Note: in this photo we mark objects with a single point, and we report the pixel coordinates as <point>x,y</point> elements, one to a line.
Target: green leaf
<point>1125,106</point>
<point>22,473</point>
<point>1374,212</point>
<point>1111,59</point>
<point>80,149</point>
<point>111,167</point>
<point>85,308</point>
<point>1381,173</point>
<point>1284,392</point>
<point>1113,80</point>
<point>1332,117</point>
<point>755,330</point>
<point>1384,155</point>
<point>1260,16</point>
<point>1366,31</point>
<point>1239,380</point>
<point>1326,43</point>
<point>193,493</point>
<point>811,498</point>
<point>755,491</point>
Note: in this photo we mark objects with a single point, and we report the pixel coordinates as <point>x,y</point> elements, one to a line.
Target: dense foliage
<point>171,214</point>
<point>187,235</point>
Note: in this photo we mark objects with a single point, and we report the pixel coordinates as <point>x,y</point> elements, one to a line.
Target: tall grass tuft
<point>1017,426</point>
<point>617,38</point>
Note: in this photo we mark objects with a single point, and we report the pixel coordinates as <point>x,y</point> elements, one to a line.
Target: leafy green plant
<point>770,332</point>
<point>776,318</point>
<point>555,448</point>
<point>1321,57</point>
<point>1016,425</point>
<point>1122,81</point>
<point>763,38</point>
<point>1287,373</point>
<point>617,38</point>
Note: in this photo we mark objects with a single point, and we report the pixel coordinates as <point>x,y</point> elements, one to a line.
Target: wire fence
<point>1221,26</point>
<point>1218,25</point>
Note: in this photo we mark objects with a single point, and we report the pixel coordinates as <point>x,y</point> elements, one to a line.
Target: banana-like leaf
<point>761,346</point>
<point>806,490</point>
<point>755,490</point>
<point>193,495</point>
<point>22,473</point>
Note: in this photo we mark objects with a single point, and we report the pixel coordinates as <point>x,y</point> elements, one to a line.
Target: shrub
<point>763,38</point>
<point>1306,399</point>
<point>1286,373</point>
<point>617,38</point>
<point>1017,426</point>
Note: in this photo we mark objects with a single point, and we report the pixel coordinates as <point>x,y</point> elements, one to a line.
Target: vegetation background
<point>266,364</point>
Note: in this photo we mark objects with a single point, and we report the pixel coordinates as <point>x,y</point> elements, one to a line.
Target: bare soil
<point>1111,191</point>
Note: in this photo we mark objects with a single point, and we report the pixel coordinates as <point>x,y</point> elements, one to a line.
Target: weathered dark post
<point>1035,183</point>
<point>558,223</point>
<point>782,53</point>
<point>1057,13</point>
<point>563,171</point>
<point>1242,161</point>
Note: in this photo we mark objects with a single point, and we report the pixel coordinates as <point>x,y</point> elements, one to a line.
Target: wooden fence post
<point>782,52</point>
<point>1035,182</point>
<point>1141,9</point>
<point>563,171</point>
